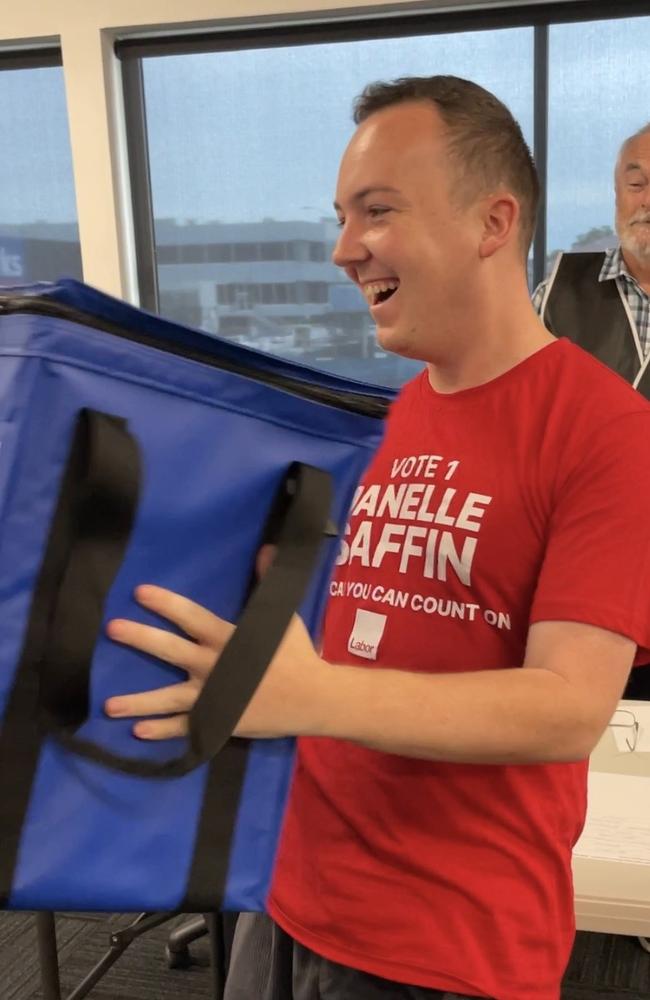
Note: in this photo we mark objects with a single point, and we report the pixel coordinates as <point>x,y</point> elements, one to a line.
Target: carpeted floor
<point>141,973</point>
<point>602,967</point>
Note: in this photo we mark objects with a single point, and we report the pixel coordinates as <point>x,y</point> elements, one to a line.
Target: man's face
<point>404,239</point>
<point>633,198</point>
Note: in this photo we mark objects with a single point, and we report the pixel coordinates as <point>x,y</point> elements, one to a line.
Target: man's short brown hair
<point>485,141</point>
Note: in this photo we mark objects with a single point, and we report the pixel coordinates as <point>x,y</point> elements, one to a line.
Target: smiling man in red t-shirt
<point>489,600</point>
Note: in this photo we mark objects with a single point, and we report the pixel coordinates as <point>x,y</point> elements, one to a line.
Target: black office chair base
<point>177,948</point>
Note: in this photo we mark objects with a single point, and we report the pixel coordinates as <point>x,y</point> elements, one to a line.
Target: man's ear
<point>500,218</point>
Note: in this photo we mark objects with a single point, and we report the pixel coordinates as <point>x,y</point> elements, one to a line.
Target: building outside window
<point>587,125</point>
<point>39,238</point>
<point>242,166</point>
<point>243,160</point>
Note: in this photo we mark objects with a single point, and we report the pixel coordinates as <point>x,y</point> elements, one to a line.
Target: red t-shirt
<point>520,500</point>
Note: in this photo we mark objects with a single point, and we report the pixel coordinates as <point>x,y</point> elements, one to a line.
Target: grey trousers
<point>267,964</point>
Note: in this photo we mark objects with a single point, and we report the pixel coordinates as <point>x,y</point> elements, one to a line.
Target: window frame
<point>375,24</point>
<point>42,57</point>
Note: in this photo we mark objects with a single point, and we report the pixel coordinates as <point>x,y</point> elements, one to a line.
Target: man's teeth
<point>372,291</point>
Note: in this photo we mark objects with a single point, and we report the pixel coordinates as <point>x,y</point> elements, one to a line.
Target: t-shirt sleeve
<point>596,567</point>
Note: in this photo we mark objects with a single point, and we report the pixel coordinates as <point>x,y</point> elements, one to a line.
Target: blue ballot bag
<point>134,450</point>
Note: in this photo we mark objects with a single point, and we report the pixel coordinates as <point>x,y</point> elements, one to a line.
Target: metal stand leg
<point>219,927</point>
<point>48,957</point>
<point>119,941</point>
<point>217,954</point>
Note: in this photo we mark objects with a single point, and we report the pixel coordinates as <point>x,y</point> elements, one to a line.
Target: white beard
<point>636,243</point>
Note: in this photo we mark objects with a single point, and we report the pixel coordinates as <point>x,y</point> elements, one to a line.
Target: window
<point>246,251</point>
<point>317,251</point>
<point>39,239</point>
<point>237,152</point>
<point>275,251</point>
<point>181,306</point>
<point>316,291</point>
<point>252,137</point>
<point>192,253</point>
<point>167,254</point>
<point>588,123</point>
<point>219,252</point>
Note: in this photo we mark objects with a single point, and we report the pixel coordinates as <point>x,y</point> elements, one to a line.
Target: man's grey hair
<point>644,130</point>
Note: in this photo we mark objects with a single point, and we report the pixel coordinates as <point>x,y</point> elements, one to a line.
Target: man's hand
<point>286,702</point>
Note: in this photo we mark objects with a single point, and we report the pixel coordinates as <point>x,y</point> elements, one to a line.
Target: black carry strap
<point>88,538</point>
<point>100,484</point>
<point>94,516</point>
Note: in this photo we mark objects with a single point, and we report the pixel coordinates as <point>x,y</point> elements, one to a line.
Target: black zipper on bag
<point>354,402</point>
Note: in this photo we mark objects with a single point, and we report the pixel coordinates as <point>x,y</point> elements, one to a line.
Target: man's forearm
<point>492,717</point>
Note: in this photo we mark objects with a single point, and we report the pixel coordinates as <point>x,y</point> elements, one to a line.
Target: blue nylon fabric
<point>215,446</point>
<point>68,291</point>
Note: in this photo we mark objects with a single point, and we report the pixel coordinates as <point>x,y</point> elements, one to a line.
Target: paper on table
<point>618,819</point>
<point>641,712</point>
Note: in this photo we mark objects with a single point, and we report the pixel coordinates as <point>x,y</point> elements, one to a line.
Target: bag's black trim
<point>365,405</point>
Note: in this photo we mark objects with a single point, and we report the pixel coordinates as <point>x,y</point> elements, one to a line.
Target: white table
<point>613,897</point>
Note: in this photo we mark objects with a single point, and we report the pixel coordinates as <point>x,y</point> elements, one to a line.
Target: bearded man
<point>602,300</point>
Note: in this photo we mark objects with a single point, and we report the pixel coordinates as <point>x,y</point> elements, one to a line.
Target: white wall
<point>86,30</point>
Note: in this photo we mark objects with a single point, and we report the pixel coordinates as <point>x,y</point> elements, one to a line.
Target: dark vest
<point>593,314</point>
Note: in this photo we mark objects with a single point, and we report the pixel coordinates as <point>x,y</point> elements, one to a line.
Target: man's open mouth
<point>377,292</point>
